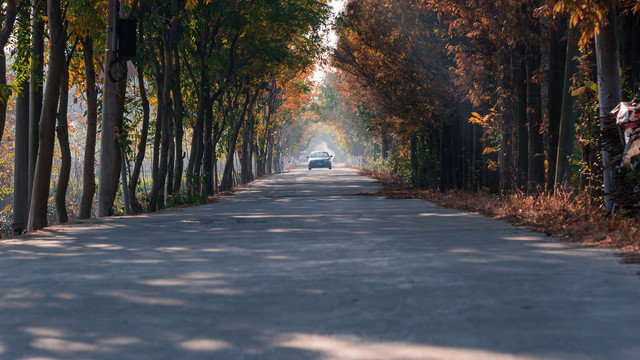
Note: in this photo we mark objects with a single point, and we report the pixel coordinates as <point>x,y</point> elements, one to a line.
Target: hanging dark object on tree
<point>125,49</point>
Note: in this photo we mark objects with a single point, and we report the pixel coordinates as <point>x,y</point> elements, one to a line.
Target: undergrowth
<point>574,218</point>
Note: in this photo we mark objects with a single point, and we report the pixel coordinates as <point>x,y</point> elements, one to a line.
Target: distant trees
<point>211,80</point>
<point>476,89</point>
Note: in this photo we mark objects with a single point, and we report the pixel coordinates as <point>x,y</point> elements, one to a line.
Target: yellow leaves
<point>488,150</point>
<point>587,15</point>
<point>588,85</point>
<point>484,121</point>
<point>191,4</point>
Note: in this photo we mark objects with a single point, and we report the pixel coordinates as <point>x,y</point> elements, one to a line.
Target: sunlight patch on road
<point>205,345</point>
<point>105,246</point>
<point>281,231</point>
<point>522,238</point>
<point>120,341</point>
<point>142,298</point>
<point>63,346</point>
<point>44,332</point>
<point>356,348</point>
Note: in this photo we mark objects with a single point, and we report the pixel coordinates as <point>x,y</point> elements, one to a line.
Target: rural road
<point>296,266</point>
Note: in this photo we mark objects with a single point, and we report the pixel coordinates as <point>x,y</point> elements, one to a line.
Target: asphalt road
<point>296,266</point>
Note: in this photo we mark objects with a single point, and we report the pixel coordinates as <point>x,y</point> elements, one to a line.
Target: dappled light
<point>355,348</point>
<point>297,266</point>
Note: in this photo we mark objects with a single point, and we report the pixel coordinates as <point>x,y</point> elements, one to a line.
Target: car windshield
<point>319,154</point>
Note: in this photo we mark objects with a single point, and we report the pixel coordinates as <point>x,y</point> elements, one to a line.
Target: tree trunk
<point>42,176</point>
<point>35,85</point>
<point>142,145</point>
<point>608,62</point>
<point>535,181</point>
<point>62,131</point>
<point>567,131</point>
<point>170,44</point>
<point>207,165</point>
<point>227,176</point>
<point>557,55</point>
<point>21,159</point>
<point>121,98</point>
<point>10,12</point>
<point>178,115</point>
<point>155,166</point>
<point>197,145</point>
<point>246,171</point>
<point>88,173</point>
<point>107,149</point>
<point>522,151</point>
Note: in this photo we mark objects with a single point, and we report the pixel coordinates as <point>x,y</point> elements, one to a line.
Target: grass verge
<point>575,219</point>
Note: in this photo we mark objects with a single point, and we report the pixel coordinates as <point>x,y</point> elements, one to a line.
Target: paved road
<point>297,267</point>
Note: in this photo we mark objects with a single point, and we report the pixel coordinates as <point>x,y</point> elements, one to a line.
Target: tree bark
<point>62,132</point>
<point>567,131</point>
<point>107,149</point>
<point>155,165</point>
<point>88,173</point>
<point>40,196</point>
<point>610,94</point>
<point>522,151</point>
<point>535,181</point>
<point>21,158</point>
<point>557,55</point>
<point>207,164</point>
<point>142,145</point>
<point>178,121</point>
<point>10,12</point>
<point>121,98</point>
<point>35,85</point>
<point>227,176</point>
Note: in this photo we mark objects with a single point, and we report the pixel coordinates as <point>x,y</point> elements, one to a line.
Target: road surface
<point>297,266</point>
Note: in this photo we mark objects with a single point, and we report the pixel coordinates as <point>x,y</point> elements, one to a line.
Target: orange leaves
<point>586,15</point>
<point>191,4</point>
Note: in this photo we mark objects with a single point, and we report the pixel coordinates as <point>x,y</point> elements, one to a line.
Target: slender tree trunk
<point>178,121</point>
<point>227,175</point>
<point>608,61</point>
<point>142,145</point>
<point>35,86</point>
<point>567,131</point>
<point>207,165</point>
<point>40,196</point>
<point>10,12</point>
<point>62,132</point>
<point>557,54</point>
<point>21,158</point>
<point>170,43</point>
<point>197,145</point>
<point>155,166</point>
<point>107,149</point>
<point>171,157</point>
<point>534,120</point>
<point>522,133</point>
<point>121,98</point>
<point>247,141</point>
<point>88,173</point>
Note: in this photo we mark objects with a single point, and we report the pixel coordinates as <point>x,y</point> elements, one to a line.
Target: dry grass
<point>576,219</point>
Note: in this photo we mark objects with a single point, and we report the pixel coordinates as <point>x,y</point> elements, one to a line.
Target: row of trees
<point>497,95</point>
<point>211,80</point>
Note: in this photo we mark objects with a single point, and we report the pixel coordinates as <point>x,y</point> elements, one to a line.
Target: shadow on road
<point>297,267</point>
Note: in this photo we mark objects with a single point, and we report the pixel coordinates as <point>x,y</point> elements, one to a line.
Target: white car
<point>319,159</point>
